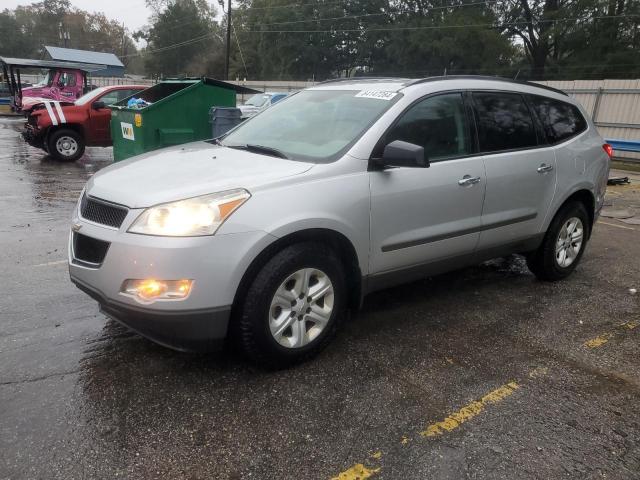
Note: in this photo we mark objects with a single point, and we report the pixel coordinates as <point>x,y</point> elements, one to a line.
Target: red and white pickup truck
<point>64,129</point>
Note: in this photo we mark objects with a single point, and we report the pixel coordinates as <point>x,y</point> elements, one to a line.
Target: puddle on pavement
<point>52,182</point>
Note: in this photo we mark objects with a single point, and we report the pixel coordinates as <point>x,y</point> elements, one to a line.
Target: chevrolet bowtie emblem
<point>76,227</point>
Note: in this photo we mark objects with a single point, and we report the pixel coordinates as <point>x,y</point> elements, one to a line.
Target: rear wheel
<point>66,145</point>
<point>563,244</point>
<point>293,307</point>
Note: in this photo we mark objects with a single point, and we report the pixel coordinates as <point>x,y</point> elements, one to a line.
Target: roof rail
<point>484,77</point>
<point>363,79</point>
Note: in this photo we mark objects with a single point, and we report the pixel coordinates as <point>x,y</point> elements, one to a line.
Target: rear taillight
<point>608,149</point>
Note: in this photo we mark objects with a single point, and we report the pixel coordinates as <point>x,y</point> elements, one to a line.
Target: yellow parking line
<point>360,471</point>
<point>598,341</point>
<point>615,225</point>
<point>357,472</point>
<point>473,409</point>
<point>605,337</point>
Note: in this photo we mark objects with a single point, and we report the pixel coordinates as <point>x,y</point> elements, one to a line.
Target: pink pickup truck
<point>64,81</point>
<point>61,85</point>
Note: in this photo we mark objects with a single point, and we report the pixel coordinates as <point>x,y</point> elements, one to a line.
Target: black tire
<point>543,262</point>
<point>59,153</point>
<point>252,331</point>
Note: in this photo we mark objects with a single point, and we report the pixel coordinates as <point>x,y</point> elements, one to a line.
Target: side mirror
<point>403,154</point>
<point>98,105</point>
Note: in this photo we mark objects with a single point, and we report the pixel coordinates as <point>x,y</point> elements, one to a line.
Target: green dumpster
<point>175,112</point>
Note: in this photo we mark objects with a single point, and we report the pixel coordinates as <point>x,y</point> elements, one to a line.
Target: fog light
<point>152,289</point>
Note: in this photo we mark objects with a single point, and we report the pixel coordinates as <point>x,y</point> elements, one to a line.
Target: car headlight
<point>191,217</point>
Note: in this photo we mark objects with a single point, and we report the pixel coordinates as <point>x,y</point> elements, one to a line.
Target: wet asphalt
<point>83,398</point>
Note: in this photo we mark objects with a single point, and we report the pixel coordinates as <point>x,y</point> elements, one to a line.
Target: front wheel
<point>65,145</point>
<point>563,244</point>
<point>293,307</point>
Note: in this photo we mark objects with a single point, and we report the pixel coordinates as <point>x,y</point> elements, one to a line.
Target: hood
<point>187,171</point>
<point>39,103</point>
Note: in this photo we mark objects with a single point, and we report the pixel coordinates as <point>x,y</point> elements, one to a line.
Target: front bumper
<point>215,264</point>
<point>33,136</point>
<point>187,330</point>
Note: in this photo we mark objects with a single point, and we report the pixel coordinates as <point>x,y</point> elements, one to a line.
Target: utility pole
<point>64,34</point>
<point>226,63</point>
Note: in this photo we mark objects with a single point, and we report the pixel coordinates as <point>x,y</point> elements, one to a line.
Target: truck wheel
<point>293,307</point>
<point>563,244</point>
<point>66,145</point>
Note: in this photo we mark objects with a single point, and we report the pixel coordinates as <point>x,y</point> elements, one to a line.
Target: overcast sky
<point>134,13</point>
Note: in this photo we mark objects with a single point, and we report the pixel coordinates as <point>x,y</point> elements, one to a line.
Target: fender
<point>56,115</point>
<point>557,204</point>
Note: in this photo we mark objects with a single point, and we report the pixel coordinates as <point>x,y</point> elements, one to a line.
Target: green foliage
<point>575,38</point>
<point>189,24</point>
<point>26,30</point>
<point>315,40</point>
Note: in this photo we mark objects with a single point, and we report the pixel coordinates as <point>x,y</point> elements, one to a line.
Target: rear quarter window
<point>560,120</point>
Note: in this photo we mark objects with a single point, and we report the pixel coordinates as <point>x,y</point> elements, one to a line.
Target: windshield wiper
<point>274,152</point>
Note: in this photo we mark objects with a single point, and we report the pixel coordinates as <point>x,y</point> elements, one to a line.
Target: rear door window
<point>437,123</point>
<point>560,120</point>
<point>67,80</point>
<point>504,121</point>
<point>110,98</point>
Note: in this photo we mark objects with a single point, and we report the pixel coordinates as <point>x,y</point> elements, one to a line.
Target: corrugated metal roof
<point>28,62</point>
<point>85,56</point>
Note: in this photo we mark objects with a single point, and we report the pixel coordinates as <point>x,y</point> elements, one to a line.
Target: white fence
<point>614,105</point>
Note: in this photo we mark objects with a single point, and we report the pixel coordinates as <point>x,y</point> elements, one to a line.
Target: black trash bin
<point>223,119</point>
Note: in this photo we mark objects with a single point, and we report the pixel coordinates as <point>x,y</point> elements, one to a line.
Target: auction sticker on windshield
<point>127,131</point>
<point>380,95</point>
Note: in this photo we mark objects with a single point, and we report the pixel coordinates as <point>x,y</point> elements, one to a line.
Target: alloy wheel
<point>569,242</point>
<point>301,308</point>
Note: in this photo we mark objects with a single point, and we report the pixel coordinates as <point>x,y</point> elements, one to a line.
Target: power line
<point>439,27</point>
<point>246,72</point>
<point>383,29</point>
<point>350,17</point>
<point>250,9</point>
<point>297,5</point>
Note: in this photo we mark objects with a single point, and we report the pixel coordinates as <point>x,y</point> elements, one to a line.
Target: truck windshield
<point>46,81</point>
<point>313,125</point>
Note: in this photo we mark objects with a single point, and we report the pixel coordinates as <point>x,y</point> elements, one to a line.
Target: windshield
<point>87,97</point>
<point>257,100</point>
<point>313,125</point>
<point>46,81</point>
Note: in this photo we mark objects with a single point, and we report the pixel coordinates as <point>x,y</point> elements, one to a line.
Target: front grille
<point>89,250</point>
<point>102,212</point>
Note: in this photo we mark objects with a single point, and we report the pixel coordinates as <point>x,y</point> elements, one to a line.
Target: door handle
<point>544,168</point>
<point>468,180</point>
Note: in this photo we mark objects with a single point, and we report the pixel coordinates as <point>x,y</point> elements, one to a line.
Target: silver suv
<point>273,232</point>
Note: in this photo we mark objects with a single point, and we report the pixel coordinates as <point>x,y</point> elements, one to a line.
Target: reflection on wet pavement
<point>81,397</point>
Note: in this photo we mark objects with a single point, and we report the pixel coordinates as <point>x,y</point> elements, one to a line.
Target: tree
<point>560,35</point>
<point>436,38</point>
<point>181,30</point>
<point>12,43</point>
<point>25,31</point>
<point>399,37</point>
